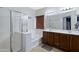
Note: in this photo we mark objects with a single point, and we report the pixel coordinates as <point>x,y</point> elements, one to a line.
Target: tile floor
<point>40,49</point>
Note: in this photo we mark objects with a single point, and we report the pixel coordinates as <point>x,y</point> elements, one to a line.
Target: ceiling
<point>36,8</point>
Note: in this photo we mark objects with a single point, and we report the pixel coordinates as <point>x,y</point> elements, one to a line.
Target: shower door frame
<point>11,30</point>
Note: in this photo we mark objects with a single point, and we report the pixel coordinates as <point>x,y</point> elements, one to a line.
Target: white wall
<point>44,10</point>
<point>4,30</point>
<point>40,12</point>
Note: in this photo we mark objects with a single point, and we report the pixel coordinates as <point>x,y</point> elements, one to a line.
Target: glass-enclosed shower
<point>12,25</point>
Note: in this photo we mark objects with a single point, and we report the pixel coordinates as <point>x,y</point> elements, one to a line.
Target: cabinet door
<point>56,39</point>
<point>74,43</point>
<point>64,41</point>
<point>48,38</point>
<point>45,37</point>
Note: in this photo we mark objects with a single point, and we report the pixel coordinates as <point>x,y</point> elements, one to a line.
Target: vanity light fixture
<point>65,9</point>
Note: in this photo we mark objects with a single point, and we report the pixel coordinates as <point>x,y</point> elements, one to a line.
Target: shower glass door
<point>16,43</point>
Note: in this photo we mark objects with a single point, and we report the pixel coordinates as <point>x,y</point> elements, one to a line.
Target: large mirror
<point>64,20</point>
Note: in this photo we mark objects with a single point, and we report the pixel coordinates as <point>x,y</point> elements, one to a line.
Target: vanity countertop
<point>73,32</point>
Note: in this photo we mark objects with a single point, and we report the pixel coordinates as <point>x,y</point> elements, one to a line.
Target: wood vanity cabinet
<point>66,42</point>
<point>55,39</point>
<point>47,38</point>
<point>50,39</point>
<point>74,43</point>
